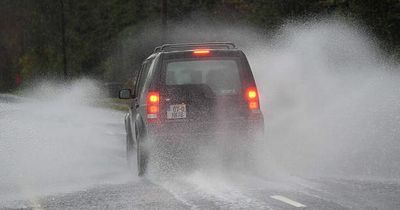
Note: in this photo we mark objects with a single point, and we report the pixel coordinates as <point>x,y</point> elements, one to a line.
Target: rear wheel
<point>142,155</point>
<point>239,153</point>
<point>129,150</point>
<point>248,156</point>
<point>142,159</point>
<point>251,149</point>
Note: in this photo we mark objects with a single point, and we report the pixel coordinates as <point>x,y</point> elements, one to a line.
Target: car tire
<point>130,151</point>
<point>142,159</point>
<point>142,155</point>
<point>251,149</point>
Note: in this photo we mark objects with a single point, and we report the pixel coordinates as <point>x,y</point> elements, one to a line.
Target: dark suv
<point>187,91</point>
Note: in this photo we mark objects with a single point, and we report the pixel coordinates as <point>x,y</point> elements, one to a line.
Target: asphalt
<point>192,189</point>
<point>185,193</point>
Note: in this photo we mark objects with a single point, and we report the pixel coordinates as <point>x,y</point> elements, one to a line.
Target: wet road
<point>239,193</point>
<point>102,182</point>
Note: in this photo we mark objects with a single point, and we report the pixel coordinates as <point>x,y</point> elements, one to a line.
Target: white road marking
<point>288,201</point>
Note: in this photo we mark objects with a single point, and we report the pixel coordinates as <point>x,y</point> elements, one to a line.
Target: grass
<point>117,104</point>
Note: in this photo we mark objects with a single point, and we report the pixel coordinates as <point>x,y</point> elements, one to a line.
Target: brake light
<point>153,105</point>
<point>201,52</point>
<point>252,98</point>
<point>154,98</point>
<point>252,94</point>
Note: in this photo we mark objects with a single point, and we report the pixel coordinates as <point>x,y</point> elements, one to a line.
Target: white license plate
<point>176,111</point>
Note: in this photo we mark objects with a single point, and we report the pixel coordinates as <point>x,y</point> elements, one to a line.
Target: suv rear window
<point>222,76</point>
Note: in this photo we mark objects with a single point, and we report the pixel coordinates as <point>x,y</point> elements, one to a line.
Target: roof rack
<point>189,46</point>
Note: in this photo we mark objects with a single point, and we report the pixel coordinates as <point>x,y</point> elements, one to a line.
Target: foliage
<point>31,35</point>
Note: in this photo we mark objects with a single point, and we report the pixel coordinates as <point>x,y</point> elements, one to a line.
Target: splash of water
<point>55,140</point>
<point>331,101</point>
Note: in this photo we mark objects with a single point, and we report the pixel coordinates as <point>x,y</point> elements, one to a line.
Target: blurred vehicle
<point>188,92</point>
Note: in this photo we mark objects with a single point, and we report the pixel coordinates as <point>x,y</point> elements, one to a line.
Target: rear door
<point>202,89</point>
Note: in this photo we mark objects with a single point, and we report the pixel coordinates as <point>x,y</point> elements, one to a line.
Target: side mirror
<point>125,94</point>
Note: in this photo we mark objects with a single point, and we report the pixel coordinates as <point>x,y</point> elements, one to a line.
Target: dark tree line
<point>44,38</point>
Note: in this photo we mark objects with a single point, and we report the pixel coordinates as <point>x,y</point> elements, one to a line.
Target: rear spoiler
<point>191,46</point>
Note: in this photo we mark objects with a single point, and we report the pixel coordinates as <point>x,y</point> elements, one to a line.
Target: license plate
<point>176,111</point>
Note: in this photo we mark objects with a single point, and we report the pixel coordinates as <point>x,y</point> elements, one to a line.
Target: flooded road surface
<point>65,155</point>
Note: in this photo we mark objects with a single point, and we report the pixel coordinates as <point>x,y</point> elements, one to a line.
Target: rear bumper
<point>237,128</point>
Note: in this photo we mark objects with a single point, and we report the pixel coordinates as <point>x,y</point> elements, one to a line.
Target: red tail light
<point>153,109</point>
<point>253,105</point>
<point>251,94</point>
<point>252,98</point>
<point>153,105</point>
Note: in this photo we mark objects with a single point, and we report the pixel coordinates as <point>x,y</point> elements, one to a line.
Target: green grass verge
<point>116,104</point>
